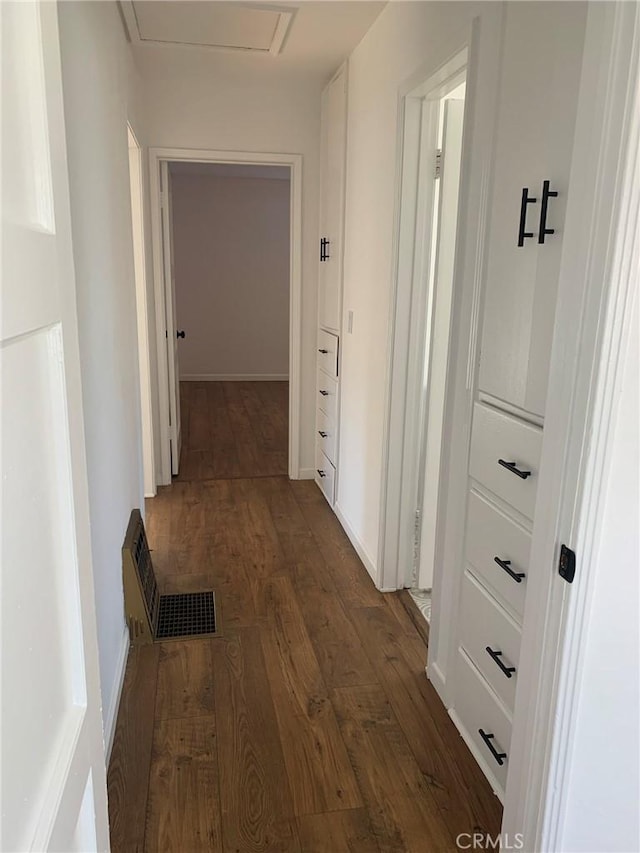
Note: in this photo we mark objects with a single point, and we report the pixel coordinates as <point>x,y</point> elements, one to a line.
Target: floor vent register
<point>155,618</point>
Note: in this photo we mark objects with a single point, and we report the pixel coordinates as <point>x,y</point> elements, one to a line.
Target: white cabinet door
<point>332,178</point>
<point>53,763</point>
<point>537,107</point>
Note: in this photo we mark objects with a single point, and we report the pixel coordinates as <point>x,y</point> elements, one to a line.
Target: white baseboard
<point>436,677</point>
<point>361,551</point>
<point>112,712</point>
<point>234,377</point>
<point>306,473</point>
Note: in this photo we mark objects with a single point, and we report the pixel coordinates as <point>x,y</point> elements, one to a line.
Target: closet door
<point>334,127</point>
<point>537,107</point>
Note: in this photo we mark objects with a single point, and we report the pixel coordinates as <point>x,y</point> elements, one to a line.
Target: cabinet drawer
<point>328,352</point>
<point>493,535</point>
<point>326,435</point>
<point>500,438</point>
<point>476,708</point>
<point>327,395</point>
<point>325,475</point>
<point>485,625</point>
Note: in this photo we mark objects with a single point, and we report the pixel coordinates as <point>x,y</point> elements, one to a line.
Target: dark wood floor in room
<point>233,429</point>
<point>309,725</point>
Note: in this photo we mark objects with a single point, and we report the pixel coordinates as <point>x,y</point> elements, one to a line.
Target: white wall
<point>211,100</point>
<point>604,782</point>
<point>231,256</point>
<point>405,38</point>
<point>96,80</point>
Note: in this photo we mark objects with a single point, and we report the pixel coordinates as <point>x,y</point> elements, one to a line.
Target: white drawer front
<point>325,475</point>
<point>328,352</point>
<point>326,435</point>
<point>327,395</point>
<point>497,436</point>
<point>475,708</point>
<point>491,536</point>
<point>485,626</point>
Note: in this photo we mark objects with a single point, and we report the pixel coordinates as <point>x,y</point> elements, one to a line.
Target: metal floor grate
<point>189,614</point>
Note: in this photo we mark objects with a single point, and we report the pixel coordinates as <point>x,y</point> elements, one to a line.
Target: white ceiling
<point>308,35</point>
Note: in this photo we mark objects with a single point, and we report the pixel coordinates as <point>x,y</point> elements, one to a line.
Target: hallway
<point>308,725</point>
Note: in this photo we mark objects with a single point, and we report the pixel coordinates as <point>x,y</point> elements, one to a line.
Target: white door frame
<point>189,155</point>
<point>401,444</point>
<point>142,311</point>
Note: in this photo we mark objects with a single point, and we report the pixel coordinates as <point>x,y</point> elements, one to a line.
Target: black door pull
<point>546,195</point>
<point>487,738</point>
<point>323,434</point>
<point>496,658</point>
<point>506,565</point>
<point>522,232</point>
<point>180,334</point>
<point>324,253</point>
<point>321,473</point>
<point>324,393</point>
<point>513,467</point>
<point>323,351</point>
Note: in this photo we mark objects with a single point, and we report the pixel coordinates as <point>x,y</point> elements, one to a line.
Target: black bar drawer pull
<point>522,234</point>
<point>322,473</point>
<point>323,351</point>
<point>513,467</point>
<point>324,393</point>
<point>323,434</point>
<point>506,565</point>
<point>487,738</point>
<point>546,195</point>
<point>496,658</point>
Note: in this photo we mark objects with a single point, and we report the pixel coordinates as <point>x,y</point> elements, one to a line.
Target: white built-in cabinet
<point>332,190</point>
<point>534,138</point>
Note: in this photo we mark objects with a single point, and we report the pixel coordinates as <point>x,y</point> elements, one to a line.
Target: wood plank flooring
<point>309,724</point>
<point>233,429</point>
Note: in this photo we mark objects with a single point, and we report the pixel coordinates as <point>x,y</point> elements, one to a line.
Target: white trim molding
<point>111,717</point>
<point>234,377</point>
<point>188,155</point>
<point>361,551</point>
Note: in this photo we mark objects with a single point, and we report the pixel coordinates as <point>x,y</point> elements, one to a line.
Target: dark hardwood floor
<point>233,429</point>
<point>309,724</point>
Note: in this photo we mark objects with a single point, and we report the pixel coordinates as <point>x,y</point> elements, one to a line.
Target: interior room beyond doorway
<point>230,252</point>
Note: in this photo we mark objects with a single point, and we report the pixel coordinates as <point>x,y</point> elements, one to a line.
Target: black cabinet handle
<point>513,467</point>
<point>526,199</point>
<point>324,393</point>
<point>546,195</point>
<point>323,434</point>
<point>323,351</point>
<point>322,474</point>
<point>487,738</point>
<point>496,658</point>
<point>506,565</point>
<point>180,335</point>
<point>324,254</point>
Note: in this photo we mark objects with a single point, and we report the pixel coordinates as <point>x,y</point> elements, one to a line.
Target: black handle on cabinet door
<point>321,473</point>
<point>546,195</point>
<point>322,434</point>
<point>513,467</point>
<point>526,199</point>
<point>487,738</point>
<point>323,351</point>
<point>180,334</point>
<point>496,658</point>
<point>324,393</point>
<point>506,565</point>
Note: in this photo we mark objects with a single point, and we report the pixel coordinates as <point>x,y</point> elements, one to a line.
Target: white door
<point>438,326</point>
<point>334,118</point>
<point>175,427</point>
<point>53,764</point>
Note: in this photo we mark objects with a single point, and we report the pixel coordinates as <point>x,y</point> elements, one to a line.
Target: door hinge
<point>438,164</point>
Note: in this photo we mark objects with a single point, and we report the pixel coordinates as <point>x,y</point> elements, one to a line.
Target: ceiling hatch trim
<point>276,20</point>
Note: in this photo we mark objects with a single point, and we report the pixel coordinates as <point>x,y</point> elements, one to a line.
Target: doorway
<point>433,123</point>
<point>226,233</point>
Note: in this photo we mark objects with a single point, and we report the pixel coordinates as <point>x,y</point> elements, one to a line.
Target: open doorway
<point>227,253</point>
<point>430,189</point>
